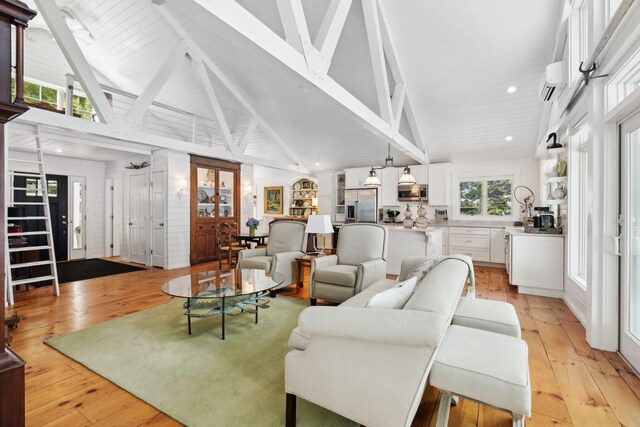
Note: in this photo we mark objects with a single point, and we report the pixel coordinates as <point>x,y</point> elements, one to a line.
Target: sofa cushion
<point>422,268</point>
<point>493,316</point>
<point>440,290</point>
<point>359,300</point>
<point>342,274</point>
<point>256,262</point>
<point>395,297</point>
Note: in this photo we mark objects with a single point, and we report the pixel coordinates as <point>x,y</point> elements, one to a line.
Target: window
<point>578,37</point>
<point>579,203</point>
<point>624,82</point>
<point>35,93</point>
<point>34,187</point>
<point>612,7</point>
<point>82,107</point>
<point>482,197</point>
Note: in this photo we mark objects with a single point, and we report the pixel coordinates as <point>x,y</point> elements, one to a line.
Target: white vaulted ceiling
<point>458,59</point>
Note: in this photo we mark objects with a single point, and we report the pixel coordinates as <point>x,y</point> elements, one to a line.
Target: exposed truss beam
<point>248,133</point>
<point>120,140</point>
<point>294,24</point>
<point>329,33</point>
<point>239,26</point>
<point>75,58</point>
<point>372,24</point>
<point>234,89</point>
<point>156,83</point>
<point>205,80</point>
<point>397,104</point>
<point>391,51</point>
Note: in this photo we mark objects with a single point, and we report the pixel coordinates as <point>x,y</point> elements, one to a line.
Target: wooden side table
<point>301,262</point>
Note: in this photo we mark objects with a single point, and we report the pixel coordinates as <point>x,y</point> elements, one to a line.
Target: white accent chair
<point>287,241</point>
<point>359,262</point>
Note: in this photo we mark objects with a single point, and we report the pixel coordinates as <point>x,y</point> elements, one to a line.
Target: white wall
<point>94,172</point>
<point>178,225</point>
<point>247,210</point>
<point>269,177</point>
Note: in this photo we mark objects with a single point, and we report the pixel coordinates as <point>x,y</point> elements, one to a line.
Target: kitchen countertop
<point>450,223</point>
<point>519,231</point>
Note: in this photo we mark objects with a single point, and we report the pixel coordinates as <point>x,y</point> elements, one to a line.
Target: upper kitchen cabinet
<point>389,189</point>
<point>439,184</point>
<point>355,178</point>
<point>420,173</point>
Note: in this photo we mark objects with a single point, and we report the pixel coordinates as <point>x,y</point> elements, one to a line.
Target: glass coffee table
<point>224,292</point>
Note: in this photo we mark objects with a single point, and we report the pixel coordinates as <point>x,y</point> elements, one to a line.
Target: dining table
<point>245,239</point>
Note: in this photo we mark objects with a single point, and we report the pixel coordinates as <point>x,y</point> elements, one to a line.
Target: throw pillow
<point>395,297</point>
<point>423,268</point>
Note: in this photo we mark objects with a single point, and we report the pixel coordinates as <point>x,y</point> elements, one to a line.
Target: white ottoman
<point>488,315</point>
<point>489,368</point>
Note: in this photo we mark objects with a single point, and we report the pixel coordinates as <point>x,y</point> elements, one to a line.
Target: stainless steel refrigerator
<point>361,205</point>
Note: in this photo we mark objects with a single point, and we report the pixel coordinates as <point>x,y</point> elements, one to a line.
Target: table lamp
<point>318,224</point>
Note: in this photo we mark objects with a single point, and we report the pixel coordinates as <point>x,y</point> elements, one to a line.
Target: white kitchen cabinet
<point>420,173</point>
<point>474,242</point>
<point>537,264</point>
<point>355,177</point>
<point>497,245</point>
<point>439,184</point>
<point>389,188</point>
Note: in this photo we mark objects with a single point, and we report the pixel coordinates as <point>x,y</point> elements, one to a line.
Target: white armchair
<point>360,261</point>
<point>287,241</point>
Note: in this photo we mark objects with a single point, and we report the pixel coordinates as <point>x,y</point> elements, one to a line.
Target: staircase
<point>17,244</point>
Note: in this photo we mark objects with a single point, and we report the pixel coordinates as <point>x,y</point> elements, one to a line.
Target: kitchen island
<point>406,242</point>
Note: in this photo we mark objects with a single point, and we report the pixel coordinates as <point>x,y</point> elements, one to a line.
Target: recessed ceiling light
<point>317,164</point>
<point>511,89</point>
<point>58,150</point>
<point>508,138</point>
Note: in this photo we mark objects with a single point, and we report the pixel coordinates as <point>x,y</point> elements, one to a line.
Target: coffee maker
<point>543,222</point>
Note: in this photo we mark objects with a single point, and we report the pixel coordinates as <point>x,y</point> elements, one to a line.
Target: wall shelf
<point>556,179</point>
<point>555,202</point>
<point>554,153</point>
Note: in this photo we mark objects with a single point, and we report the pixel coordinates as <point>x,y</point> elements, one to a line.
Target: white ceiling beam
<point>332,24</point>
<point>391,51</point>
<point>233,88</point>
<point>413,125</point>
<point>248,133</point>
<point>121,139</point>
<point>372,25</point>
<point>205,80</point>
<point>294,24</point>
<point>397,104</point>
<point>157,82</point>
<point>75,58</point>
<point>236,24</point>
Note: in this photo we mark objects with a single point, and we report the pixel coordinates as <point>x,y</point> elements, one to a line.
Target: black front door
<point>59,207</point>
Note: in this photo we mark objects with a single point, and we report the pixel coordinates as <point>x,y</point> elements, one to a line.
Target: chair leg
<point>313,301</point>
<point>444,409</point>
<point>291,410</point>
<point>517,420</point>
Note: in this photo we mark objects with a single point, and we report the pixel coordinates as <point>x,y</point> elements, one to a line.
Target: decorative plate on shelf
<point>297,186</point>
<point>297,195</point>
<point>306,195</point>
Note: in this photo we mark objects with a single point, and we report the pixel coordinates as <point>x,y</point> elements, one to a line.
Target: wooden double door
<point>215,199</point>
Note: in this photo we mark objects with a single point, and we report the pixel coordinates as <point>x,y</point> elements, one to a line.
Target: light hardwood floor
<point>572,384</point>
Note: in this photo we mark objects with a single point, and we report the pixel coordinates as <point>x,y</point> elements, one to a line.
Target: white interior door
<point>630,243</point>
<point>77,217</point>
<point>138,217</point>
<point>159,218</point>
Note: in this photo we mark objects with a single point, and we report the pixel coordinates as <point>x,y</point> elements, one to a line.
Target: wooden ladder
<point>41,190</point>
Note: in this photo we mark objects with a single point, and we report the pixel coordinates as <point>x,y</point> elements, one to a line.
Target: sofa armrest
<point>396,327</point>
<point>407,264</point>
<point>249,253</point>
<point>285,259</point>
<point>370,272</point>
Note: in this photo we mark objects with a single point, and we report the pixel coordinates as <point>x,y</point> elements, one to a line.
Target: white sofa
<point>371,365</point>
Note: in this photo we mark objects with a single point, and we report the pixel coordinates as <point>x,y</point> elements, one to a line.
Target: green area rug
<point>199,380</point>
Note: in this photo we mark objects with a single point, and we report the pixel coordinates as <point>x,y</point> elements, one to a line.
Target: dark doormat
<point>84,269</point>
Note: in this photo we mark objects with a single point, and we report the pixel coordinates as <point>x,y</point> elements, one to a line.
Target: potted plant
<point>253,224</point>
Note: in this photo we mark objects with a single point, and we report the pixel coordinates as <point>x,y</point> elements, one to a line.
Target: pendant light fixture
<point>373,180</point>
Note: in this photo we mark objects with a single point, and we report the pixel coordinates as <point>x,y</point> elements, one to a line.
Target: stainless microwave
<point>413,192</point>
